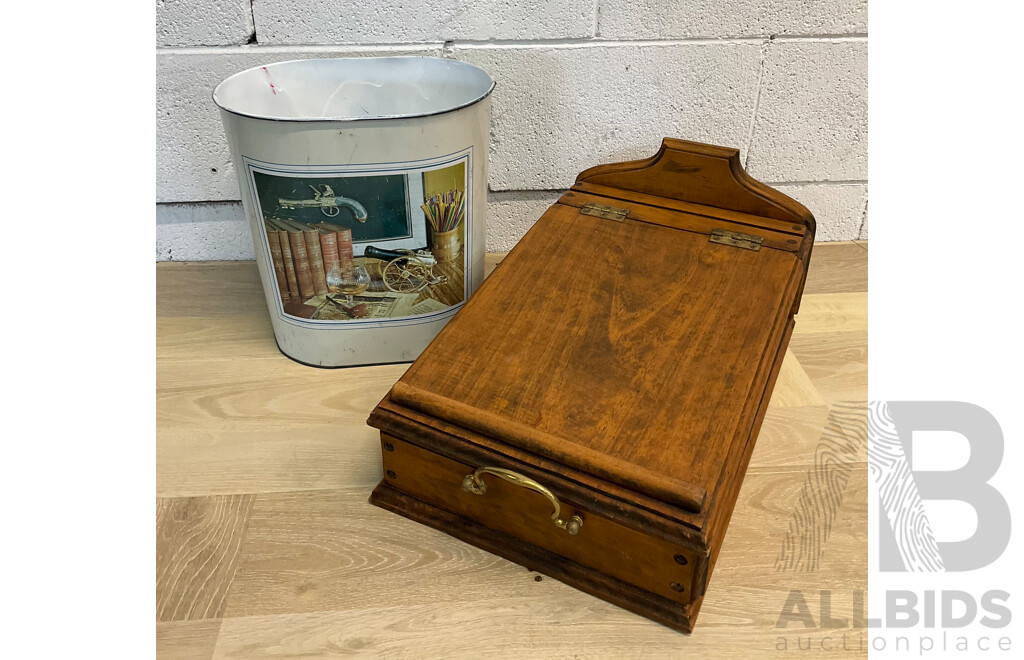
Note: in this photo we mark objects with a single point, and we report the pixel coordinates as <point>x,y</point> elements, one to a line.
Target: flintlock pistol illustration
<point>327,202</point>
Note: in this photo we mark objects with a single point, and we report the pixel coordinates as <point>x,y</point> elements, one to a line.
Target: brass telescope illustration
<point>328,203</point>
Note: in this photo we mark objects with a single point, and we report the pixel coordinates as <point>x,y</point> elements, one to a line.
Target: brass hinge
<point>736,239</point>
<point>606,212</point>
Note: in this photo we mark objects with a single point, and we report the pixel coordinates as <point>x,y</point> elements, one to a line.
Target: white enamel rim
<point>364,62</point>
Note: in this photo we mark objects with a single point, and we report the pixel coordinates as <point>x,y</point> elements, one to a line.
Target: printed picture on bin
<point>368,246</point>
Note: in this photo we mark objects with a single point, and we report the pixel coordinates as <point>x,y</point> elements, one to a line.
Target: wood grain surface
<point>267,547</point>
<point>714,177</point>
<point>197,550</point>
<point>186,640</point>
<point>651,371</point>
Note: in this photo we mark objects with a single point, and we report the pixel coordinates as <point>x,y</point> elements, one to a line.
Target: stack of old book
<point>303,254</point>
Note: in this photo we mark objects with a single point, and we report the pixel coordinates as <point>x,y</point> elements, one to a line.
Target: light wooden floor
<point>267,548</point>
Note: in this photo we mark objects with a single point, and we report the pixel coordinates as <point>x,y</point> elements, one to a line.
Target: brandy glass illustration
<point>348,281</point>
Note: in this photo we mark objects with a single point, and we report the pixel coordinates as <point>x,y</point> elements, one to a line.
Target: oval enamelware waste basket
<point>364,181</point>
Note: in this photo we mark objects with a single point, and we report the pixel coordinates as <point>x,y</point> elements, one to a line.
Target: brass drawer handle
<point>473,483</point>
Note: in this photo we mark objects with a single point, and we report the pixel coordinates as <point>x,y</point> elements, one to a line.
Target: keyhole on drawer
<point>391,474</point>
<point>680,559</point>
<point>677,587</point>
<point>389,447</point>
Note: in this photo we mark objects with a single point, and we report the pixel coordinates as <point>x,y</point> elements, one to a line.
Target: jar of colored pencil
<point>444,214</point>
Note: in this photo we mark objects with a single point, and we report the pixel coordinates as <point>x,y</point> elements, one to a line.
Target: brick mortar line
<point>757,100</point>
<point>557,191</point>
<point>508,44</point>
<point>602,41</point>
<point>254,38</point>
<point>863,219</point>
<point>824,182</point>
<point>239,49</point>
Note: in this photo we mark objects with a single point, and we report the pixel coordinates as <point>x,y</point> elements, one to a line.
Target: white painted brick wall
<point>203,22</point>
<point>580,82</point>
<point>715,19</point>
<point>812,118</point>
<point>398,21</point>
<point>557,111</point>
<point>511,214</point>
<point>201,232</point>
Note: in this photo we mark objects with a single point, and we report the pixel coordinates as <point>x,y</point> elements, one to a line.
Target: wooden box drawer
<point>627,554</point>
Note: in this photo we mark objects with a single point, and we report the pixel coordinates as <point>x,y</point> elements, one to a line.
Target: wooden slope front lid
<point>633,351</point>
